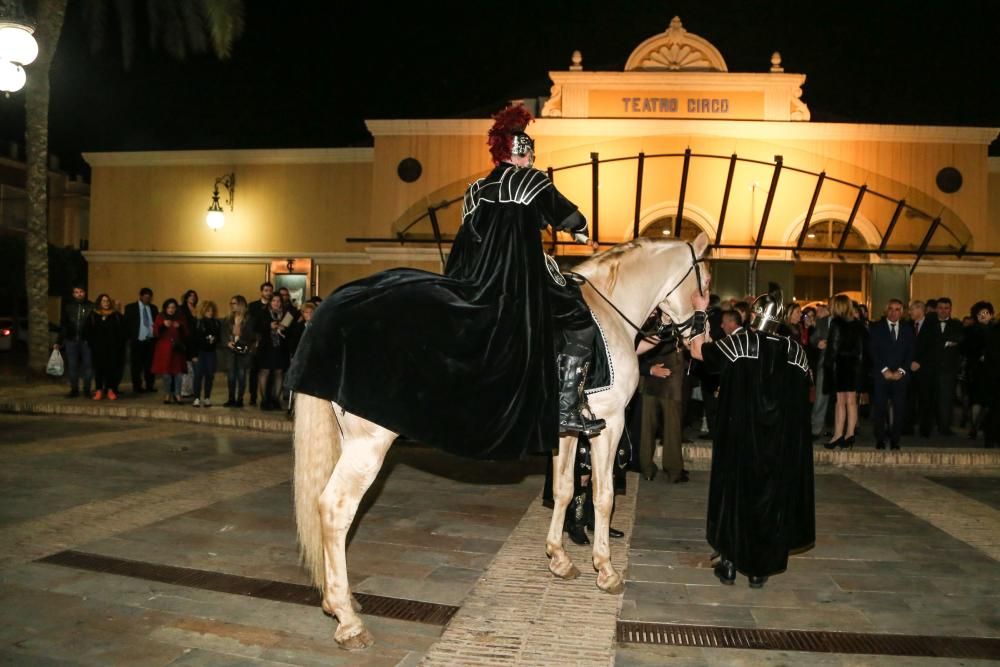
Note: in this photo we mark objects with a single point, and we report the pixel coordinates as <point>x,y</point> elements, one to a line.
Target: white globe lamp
<point>17,43</point>
<point>12,77</point>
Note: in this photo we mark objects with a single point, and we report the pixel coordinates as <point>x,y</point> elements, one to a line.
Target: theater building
<point>673,145</point>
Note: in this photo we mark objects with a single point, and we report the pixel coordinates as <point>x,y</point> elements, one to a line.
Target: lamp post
<point>17,46</point>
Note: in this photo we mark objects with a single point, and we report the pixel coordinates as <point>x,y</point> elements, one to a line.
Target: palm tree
<point>179,27</point>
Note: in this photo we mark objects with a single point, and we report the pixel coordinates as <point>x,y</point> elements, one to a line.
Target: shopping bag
<point>55,366</point>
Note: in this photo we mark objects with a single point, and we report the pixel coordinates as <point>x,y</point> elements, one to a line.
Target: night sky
<point>308,74</point>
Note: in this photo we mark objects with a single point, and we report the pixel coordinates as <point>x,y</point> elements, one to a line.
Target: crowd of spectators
<point>184,343</point>
<point>916,371</point>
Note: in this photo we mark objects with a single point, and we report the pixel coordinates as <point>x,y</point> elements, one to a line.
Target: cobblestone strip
<point>964,518</point>
<point>92,440</point>
<point>700,457</point>
<point>247,420</point>
<point>35,538</point>
<point>518,613</point>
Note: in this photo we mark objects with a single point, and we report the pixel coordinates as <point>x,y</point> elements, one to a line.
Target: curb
<point>209,416</point>
<point>912,459</point>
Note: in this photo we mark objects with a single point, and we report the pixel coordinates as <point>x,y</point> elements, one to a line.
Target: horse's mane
<point>602,268</point>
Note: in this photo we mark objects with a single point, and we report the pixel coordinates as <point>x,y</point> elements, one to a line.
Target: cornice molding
<point>741,129</point>
<point>721,81</point>
<point>230,157</point>
<point>369,255</point>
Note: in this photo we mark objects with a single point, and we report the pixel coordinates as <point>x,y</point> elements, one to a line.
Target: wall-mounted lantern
<point>215,218</point>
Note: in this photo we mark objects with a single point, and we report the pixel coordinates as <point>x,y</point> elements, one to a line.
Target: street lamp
<point>17,46</point>
<point>216,218</point>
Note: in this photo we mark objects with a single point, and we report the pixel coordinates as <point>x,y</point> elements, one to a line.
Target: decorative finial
<point>776,62</point>
<point>675,23</point>
<point>577,59</point>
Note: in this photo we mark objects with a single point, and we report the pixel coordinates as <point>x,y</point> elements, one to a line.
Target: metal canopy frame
<point>778,166</point>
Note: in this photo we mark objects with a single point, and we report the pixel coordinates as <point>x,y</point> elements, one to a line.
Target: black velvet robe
<point>761,497</point>
<point>465,361</point>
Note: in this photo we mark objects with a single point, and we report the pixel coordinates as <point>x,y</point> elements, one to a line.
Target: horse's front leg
<point>602,453</point>
<point>563,470</point>
<point>355,471</point>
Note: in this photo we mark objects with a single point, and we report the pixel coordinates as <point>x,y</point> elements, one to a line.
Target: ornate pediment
<point>676,50</point>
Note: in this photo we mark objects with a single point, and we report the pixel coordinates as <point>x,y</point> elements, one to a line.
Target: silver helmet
<point>766,312</point>
<point>522,144</point>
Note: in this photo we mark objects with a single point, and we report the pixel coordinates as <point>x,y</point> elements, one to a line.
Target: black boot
<point>726,571</point>
<point>574,414</point>
<point>576,519</point>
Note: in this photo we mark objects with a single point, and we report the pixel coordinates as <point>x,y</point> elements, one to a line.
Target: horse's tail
<point>317,449</point>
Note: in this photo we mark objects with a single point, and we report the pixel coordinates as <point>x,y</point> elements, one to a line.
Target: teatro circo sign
<point>678,104</point>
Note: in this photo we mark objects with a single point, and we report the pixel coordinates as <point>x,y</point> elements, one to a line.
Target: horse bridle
<point>680,327</point>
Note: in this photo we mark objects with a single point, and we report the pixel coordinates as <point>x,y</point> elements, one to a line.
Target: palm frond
<point>125,9</point>
<point>226,22</point>
<point>194,25</point>
<point>95,18</point>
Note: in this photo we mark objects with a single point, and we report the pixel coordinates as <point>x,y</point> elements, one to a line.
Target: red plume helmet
<point>507,122</point>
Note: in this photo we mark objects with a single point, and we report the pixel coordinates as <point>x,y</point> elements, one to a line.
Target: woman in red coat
<point>169,353</point>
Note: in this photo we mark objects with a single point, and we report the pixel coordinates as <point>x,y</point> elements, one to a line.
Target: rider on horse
<point>516,193</point>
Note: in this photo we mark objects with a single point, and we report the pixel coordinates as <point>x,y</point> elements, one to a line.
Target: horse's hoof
<point>358,642</point>
<point>571,573</point>
<point>613,585</point>
<point>355,605</point>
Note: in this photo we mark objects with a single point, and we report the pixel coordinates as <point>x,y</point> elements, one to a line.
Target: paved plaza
<point>146,541</point>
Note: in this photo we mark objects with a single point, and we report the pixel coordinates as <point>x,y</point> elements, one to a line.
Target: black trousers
<point>885,393</point>
<point>140,361</point>
<point>946,383</point>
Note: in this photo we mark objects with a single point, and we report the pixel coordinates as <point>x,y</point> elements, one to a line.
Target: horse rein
<point>680,327</point>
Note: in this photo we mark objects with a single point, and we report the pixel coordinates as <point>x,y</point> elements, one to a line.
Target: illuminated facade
<point>673,145</point>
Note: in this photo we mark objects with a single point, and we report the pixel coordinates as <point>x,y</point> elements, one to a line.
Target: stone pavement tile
<point>668,611</point>
<point>839,620</point>
<point>808,564</point>
<point>930,623</point>
<point>743,596</point>
<point>196,657</point>
<point>15,656</point>
<point>882,582</point>
<point>967,586</point>
<point>18,429</point>
<point>653,557</point>
<point>425,590</point>
<point>863,601</point>
<point>984,489</point>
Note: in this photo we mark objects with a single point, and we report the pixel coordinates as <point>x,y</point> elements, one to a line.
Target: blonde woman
<point>207,333</point>
<point>238,338</point>
<point>843,369</point>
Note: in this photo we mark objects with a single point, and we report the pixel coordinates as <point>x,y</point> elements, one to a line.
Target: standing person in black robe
<point>467,361</point>
<point>761,499</point>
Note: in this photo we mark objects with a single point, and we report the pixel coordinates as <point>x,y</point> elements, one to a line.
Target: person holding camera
<point>238,337</point>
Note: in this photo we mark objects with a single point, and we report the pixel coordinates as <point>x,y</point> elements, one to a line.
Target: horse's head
<point>689,275</point>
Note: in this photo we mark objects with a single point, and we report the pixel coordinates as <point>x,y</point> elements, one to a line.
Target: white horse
<point>339,454</point>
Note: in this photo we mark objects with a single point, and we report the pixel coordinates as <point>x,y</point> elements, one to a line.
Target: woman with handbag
<point>238,337</point>
<point>170,350</point>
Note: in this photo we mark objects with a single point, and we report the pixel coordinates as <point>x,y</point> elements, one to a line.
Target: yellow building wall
<point>216,282</point>
<point>896,169</point>
<point>963,290</point>
<point>277,208</point>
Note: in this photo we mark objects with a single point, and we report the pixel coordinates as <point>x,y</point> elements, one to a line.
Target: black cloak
<point>465,361</point>
<point>761,498</point>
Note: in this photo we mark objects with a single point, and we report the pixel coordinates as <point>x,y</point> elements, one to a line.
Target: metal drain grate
<point>633,632</point>
<point>264,589</point>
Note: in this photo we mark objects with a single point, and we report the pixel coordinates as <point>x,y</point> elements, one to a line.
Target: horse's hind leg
<point>563,469</point>
<point>361,458</point>
<point>602,452</point>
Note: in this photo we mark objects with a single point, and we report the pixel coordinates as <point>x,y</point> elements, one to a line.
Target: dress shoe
<point>98,395</point>
<point>894,444</point>
<point>757,582</point>
<point>726,572</point>
<point>834,444</point>
<point>880,444</point>
<point>615,533</point>
<point>112,396</point>
<point>651,476</point>
<point>681,478</point>
<point>848,442</point>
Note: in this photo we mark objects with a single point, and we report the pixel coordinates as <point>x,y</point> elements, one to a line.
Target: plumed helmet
<point>767,309</point>
<point>508,133</point>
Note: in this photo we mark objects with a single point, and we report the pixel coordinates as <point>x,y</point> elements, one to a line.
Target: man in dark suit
<point>891,351</point>
<point>921,406</point>
<point>662,389</point>
<point>256,316</point>
<point>139,318</point>
<point>948,361</point>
